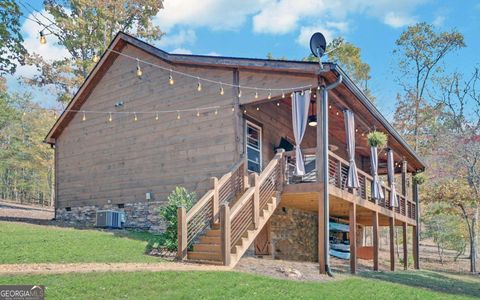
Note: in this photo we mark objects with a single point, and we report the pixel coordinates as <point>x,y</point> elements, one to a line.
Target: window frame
<point>260,144</point>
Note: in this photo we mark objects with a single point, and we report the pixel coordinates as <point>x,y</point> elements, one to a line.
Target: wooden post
<point>182,233</point>
<point>225,233</point>
<point>322,135</point>
<point>405,252</point>
<point>404,187</point>
<point>376,239</point>
<point>416,231</point>
<point>353,238</point>
<point>415,247</point>
<point>392,243</point>
<point>216,200</point>
<point>256,201</point>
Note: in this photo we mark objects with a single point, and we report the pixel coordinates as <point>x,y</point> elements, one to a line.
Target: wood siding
<point>121,160</point>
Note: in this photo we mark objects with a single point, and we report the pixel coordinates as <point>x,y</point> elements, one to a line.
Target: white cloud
<point>214,14</point>
<point>182,37</point>
<point>397,20</point>
<point>213,53</point>
<point>181,51</point>
<point>439,20</point>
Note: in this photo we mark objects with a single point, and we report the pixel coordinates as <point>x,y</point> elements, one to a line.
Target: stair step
<point>210,240</point>
<point>204,256</point>
<point>216,226</point>
<point>213,232</point>
<point>216,248</point>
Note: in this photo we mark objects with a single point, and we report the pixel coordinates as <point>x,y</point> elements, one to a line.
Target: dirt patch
<point>18,269</point>
<point>25,213</point>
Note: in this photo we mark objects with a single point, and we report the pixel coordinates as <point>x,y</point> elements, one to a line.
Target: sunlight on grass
<point>26,243</point>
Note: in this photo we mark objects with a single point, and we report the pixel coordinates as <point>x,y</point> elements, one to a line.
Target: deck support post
<point>225,233</point>
<point>256,201</point>
<point>353,238</point>
<point>182,233</point>
<point>391,223</point>
<point>415,247</point>
<point>376,240</point>
<point>416,229</point>
<point>216,199</point>
<point>405,241</point>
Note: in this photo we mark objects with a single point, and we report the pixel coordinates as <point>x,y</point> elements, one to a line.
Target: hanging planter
<point>419,178</point>
<point>377,139</point>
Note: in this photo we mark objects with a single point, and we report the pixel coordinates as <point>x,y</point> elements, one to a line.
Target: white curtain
<point>391,179</point>
<point>300,105</point>
<point>352,179</point>
<point>377,192</point>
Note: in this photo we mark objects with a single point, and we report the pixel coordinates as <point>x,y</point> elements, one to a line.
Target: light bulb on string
<point>43,39</point>
<point>198,113</point>
<point>269,95</point>
<point>84,117</point>
<point>170,79</point>
<point>199,85</point>
<point>139,70</point>
<point>233,108</point>
<point>109,117</point>
<point>156,116</point>
<point>256,94</point>
<point>95,58</point>
<point>258,108</point>
<point>278,103</point>
<point>245,111</point>
<point>283,94</point>
<point>239,92</point>
<point>222,91</point>
<point>135,116</point>
<point>178,115</point>
<point>302,92</point>
<point>216,111</point>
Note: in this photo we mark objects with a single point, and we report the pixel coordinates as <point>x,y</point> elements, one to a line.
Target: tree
<point>420,51</point>
<point>348,56</point>
<point>458,144</point>
<point>12,51</point>
<point>85,28</point>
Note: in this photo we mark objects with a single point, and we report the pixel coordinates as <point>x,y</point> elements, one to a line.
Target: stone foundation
<point>294,234</point>
<point>140,215</point>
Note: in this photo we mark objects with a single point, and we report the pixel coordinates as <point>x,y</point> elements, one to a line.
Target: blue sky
<point>252,28</point>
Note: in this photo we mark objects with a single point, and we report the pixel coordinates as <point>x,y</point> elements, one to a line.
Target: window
<point>254,147</point>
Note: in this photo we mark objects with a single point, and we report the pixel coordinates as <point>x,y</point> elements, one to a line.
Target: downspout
<point>326,200</point>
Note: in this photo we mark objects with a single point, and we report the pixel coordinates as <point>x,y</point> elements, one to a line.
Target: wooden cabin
<point>222,127</point>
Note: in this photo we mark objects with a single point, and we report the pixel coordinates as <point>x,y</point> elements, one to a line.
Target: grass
<point>234,285</point>
<point>27,243</point>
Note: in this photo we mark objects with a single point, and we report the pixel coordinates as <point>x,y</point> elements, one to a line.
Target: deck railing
<point>205,212</point>
<point>338,172</point>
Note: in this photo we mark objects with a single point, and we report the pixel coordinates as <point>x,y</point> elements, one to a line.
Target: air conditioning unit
<point>110,219</point>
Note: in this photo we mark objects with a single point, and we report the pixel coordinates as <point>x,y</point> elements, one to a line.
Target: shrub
<point>179,197</point>
<point>377,139</point>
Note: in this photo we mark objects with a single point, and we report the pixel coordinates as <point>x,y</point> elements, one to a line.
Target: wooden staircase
<point>221,235</point>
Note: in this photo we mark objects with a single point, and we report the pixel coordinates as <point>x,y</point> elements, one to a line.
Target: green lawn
<point>26,243</point>
<point>235,285</point>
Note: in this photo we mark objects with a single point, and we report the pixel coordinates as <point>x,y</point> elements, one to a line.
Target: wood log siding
<point>338,170</point>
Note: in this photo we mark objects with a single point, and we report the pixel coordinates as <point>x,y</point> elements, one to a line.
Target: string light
<point>178,115</point>
<point>110,117</point>
<point>222,92</point>
<point>258,108</point>
<point>278,103</point>
<point>216,111</point>
<point>135,117</point>
<point>283,94</point>
<point>239,93</point>
<point>170,79</point>
<point>95,58</point>
<point>269,95</point>
<point>233,108</point>
<point>198,113</point>
<point>199,85</point>
<point>43,39</point>
<point>245,111</point>
<point>139,70</point>
<point>156,116</point>
<point>84,116</point>
<point>256,94</point>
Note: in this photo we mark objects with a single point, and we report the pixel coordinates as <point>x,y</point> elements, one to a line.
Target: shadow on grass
<point>134,234</point>
<point>445,283</point>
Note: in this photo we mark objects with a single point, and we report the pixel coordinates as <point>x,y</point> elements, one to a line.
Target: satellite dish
<point>318,44</point>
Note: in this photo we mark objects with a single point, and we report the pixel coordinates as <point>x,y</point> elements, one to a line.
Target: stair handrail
<point>227,215</point>
<point>202,210</point>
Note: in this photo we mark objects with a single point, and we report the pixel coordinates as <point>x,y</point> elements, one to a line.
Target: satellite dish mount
<point>318,46</point>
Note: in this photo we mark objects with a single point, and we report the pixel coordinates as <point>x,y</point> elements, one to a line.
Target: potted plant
<point>377,139</point>
<point>419,178</point>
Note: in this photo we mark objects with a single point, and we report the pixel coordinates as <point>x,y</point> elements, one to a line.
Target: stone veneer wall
<point>141,215</point>
<point>294,234</point>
